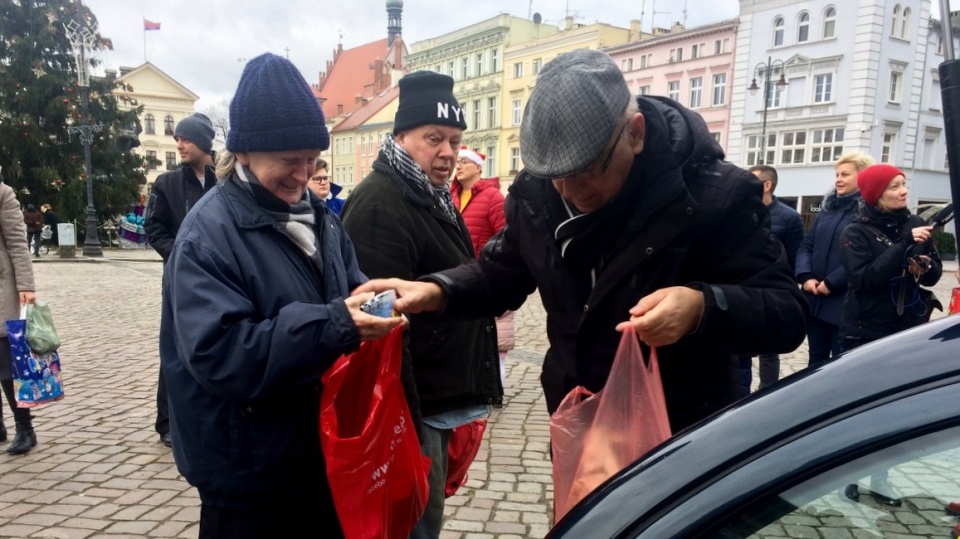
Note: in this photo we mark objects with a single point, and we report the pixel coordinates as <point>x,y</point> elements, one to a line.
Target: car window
<point>924,474</point>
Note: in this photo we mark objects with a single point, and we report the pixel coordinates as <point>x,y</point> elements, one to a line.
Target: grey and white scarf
<point>297,223</point>
<point>411,171</point>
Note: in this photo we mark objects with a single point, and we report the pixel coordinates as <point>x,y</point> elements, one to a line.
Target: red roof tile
<point>352,76</point>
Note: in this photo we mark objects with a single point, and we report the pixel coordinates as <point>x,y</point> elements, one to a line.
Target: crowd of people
<point>625,217</point>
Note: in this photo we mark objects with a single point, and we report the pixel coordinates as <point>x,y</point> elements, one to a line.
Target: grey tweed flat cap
<point>578,101</point>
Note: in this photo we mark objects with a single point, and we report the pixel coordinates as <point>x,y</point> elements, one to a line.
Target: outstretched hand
<point>370,327</point>
<point>412,296</point>
<point>666,315</point>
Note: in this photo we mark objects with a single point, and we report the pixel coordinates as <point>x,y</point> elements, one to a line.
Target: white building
<point>859,76</point>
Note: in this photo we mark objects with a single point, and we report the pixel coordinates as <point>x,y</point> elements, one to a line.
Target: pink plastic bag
<point>596,435</point>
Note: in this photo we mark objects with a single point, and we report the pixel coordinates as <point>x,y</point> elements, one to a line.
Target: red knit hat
<point>873,180</point>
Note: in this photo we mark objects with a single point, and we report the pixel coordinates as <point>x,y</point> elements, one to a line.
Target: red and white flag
<point>150,25</point>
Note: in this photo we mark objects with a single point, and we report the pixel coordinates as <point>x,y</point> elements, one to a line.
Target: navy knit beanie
<point>274,110</point>
<point>198,129</point>
<point>426,98</point>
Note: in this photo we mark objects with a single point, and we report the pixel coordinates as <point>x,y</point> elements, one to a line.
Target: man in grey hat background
<point>172,196</point>
<point>627,218</point>
<point>403,223</point>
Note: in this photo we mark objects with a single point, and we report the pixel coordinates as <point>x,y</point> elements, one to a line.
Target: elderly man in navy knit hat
<point>172,196</point>
<point>256,306</point>
<point>627,218</point>
<point>402,219</point>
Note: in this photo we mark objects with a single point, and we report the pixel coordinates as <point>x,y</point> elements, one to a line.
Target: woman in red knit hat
<point>889,258</point>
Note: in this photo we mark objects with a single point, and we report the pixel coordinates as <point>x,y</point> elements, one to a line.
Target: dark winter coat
<point>248,327</point>
<point>819,256</point>
<point>483,214</point>
<point>173,194</point>
<point>697,222</point>
<point>33,219</point>
<point>787,226</point>
<point>400,232</point>
<point>52,220</point>
<point>876,273</point>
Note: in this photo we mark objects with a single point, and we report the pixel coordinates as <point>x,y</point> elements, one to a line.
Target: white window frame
<point>826,145</point>
<point>793,147</point>
<point>477,114</point>
<point>696,92</point>
<point>829,23</point>
<point>719,89</point>
<point>492,112</point>
<point>823,88</point>
<point>803,27</point>
<point>889,147</point>
<point>778,31</point>
<point>517,70</point>
<point>895,94</point>
<point>673,90</point>
<point>895,26</point>
<point>515,159</point>
<point>905,23</point>
<point>537,65</point>
<point>491,162</point>
<point>517,111</point>
<point>644,90</point>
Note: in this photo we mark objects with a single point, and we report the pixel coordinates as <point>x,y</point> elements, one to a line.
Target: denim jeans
<point>434,445</point>
<point>823,341</point>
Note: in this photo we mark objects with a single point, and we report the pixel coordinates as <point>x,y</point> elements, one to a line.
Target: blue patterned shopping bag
<point>36,377</point>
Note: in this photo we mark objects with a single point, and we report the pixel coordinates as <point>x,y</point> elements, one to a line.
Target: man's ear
<point>243,159</point>
<point>637,126</point>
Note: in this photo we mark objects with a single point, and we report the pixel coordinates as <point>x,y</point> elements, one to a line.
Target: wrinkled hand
<point>370,327</point>
<point>921,233</point>
<point>919,267</point>
<point>810,285</point>
<point>412,296</point>
<point>27,297</point>
<point>666,315</point>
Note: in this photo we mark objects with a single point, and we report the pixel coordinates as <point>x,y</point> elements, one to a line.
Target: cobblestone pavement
<point>100,471</point>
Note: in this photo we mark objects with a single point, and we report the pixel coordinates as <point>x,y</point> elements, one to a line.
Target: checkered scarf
<point>410,171</point>
<point>297,221</point>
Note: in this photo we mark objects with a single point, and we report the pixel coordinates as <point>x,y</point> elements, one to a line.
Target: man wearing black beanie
<point>403,224</point>
<point>256,308</point>
<point>172,196</point>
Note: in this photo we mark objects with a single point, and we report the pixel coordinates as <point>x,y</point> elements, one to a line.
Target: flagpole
<point>144,30</point>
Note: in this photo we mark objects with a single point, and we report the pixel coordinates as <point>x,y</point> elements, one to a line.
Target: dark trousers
<point>823,341</point>
<point>162,423</point>
<point>20,415</point>
<point>769,371</point>
<point>286,516</point>
<point>35,239</point>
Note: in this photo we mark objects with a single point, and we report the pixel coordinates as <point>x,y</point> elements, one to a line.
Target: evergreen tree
<point>40,99</point>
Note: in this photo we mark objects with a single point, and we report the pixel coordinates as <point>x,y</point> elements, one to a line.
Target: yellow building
<point>165,102</point>
<point>522,63</point>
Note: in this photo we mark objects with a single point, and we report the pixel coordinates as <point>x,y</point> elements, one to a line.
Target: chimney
<point>110,74</point>
<point>567,22</point>
<point>677,28</point>
<point>635,32</point>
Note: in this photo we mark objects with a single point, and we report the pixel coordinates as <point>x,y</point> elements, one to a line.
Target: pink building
<point>693,67</point>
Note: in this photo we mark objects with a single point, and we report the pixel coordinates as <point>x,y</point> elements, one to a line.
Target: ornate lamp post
<point>766,71</point>
<point>81,39</point>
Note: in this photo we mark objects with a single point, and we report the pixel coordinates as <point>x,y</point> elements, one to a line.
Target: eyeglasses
<point>465,161</point>
<point>587,174</point>
<point>320,179</point>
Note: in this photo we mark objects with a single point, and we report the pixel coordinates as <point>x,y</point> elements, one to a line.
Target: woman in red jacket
<point>480,202</point>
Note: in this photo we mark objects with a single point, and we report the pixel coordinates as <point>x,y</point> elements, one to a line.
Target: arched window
<point>778,31</point>
<point>168,125</point>
<point>905,24</point>
<point>896,21</point>
<point>803,28</point>
<point>150,128</point>
<point>829,23</point>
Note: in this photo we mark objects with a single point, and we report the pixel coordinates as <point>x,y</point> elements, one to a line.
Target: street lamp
<point>81,39</point>
<point>765,71</point>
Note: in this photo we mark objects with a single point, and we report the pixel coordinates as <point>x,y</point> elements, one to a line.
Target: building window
<point>905,24</point>
<point>889,147</point>
<point>896,21</point>
<point>716,136</point>
<point>168,125</point>
<point>363,145</point>
<point>517,112</point>
<point>823,88</point>
<point>626,64</point>
<point>514,160</point>
<point>719,89</point>
<point>753,150</point>
<point>940,44</point>
<point>803,28</point>
<point>491,162</point>
<point>645,90</point>
<point>450,66</point>
<point>935,96</point>
<point>929,152</point>
<point>717,47</point>
<point>676,55</point>
<point>696,92</point>
<point>778,32</point>
<point>696,50</point>
<point>827,145</point>
<point>479,64</point>
<point>645,61</point>
<point>151,160</point>
<point>370,149</point>
<point>477,114</point>
<point>150,125</point>
<point>171,160</point>
<point>792,147</point>
<point>494,61</point>
<point>537,65</point>
<point>492,112</point>
<point>465,67</point>
<point>773,93</point>
<point>673,90</point>
<point>518,70</point>
<point>896,84</point>
<point>829,23</point>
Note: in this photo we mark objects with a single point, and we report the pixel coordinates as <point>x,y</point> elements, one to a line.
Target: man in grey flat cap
<point>625,218</point>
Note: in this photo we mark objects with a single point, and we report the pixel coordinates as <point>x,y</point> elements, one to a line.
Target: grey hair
<point>226,163</point>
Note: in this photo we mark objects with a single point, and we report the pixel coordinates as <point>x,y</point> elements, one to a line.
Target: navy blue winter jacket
<point>248,327</point>
<point>819,256</point>
<point>787,226</point>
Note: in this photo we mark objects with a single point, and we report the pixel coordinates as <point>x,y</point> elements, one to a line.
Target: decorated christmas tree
<point>40,99</point>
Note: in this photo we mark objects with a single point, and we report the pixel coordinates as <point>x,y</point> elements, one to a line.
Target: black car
<point>800,460</point>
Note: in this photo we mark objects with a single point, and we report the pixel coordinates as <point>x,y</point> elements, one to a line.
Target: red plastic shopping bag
<point>954,301</point>
<point>462,449</point>
<point>377,474</point>
<point>594,436</point>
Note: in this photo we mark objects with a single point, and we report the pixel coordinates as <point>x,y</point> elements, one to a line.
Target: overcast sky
<point>202,44</point>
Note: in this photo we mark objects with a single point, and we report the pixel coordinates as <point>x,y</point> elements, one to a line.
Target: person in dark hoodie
<point>819,271</point>
<point>173,194</point>
<point>627,218</point>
